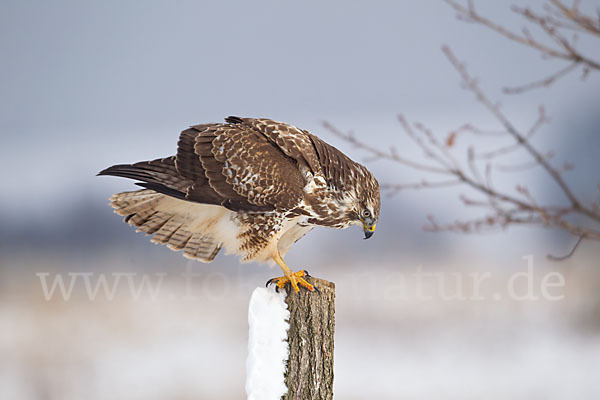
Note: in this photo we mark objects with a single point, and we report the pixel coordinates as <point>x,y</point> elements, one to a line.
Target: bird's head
<point>368,203</point>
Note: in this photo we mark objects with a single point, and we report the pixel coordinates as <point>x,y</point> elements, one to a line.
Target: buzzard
<point>253,186</point>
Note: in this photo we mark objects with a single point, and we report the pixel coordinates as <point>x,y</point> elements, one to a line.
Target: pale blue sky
<point>88,84</point>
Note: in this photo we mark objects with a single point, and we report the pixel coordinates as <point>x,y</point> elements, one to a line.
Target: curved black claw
<point>270,281</point>
<point>274,280</point>
<point>307,275</point>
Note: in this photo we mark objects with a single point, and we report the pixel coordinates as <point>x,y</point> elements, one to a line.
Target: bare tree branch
<point>391,155</point>
<point>397,187</point>
<point>503,208</point>
<point>549,80</point>
<point>542,118</point>
<point>556,18</point>
<point>471,84</point>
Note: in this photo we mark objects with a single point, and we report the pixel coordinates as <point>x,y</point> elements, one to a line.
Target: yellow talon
<point>295,279</point>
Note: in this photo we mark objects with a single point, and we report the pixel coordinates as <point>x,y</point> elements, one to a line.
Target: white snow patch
<point>268,348</point>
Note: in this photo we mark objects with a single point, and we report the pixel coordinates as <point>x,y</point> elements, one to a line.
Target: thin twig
<point>397,187</point>
<point>393,156</point>
<point>570,253</point>
<point>541,83</point>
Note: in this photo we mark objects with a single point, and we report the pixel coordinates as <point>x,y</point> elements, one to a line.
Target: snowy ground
<point>387,346</point>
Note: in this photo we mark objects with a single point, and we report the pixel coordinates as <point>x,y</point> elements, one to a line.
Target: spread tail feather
<point>160,175</point>
<point>150,212</point>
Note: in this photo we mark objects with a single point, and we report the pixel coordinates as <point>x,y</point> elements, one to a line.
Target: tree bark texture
<point>312,323</point>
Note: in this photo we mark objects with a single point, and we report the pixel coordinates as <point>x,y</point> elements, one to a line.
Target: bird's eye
<point>366,214</point>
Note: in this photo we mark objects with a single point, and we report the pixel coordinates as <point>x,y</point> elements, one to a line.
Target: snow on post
<point>268,349</point>
<point>290,345</point>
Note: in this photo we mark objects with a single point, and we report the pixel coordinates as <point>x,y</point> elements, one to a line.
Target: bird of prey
<point>253,186</point>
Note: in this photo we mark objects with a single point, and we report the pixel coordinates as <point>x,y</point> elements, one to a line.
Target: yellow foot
<point>295,279</point>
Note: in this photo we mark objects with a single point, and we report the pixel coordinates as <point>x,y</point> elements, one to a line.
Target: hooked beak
<point>368,229</point>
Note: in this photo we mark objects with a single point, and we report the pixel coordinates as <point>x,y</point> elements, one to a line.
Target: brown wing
<point>306,149</point>
<point>335,165</point>
<point>206,177</point>
<point>241,165</point>
<point>293,142</point>
<point>246,164</point>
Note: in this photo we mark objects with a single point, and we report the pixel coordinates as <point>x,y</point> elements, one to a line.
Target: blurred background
<point>85,85</point>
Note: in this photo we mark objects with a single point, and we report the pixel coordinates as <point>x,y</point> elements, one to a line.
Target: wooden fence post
<point>312,323</point>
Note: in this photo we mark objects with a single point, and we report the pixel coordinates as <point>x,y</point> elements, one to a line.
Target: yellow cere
<point>370,229</point>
